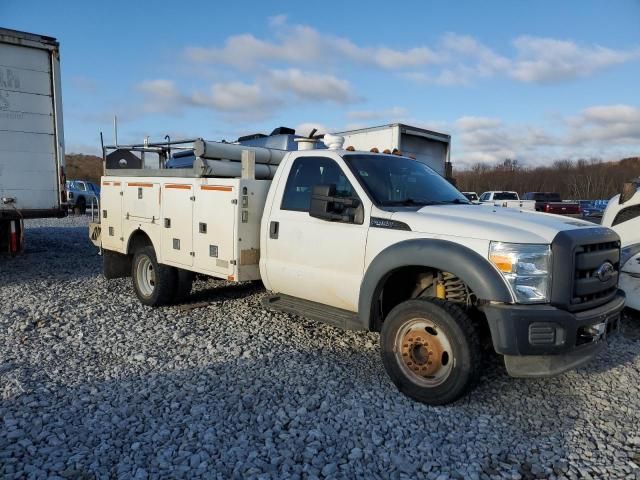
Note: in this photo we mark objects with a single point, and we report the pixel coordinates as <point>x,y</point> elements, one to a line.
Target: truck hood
<point>487,222</point>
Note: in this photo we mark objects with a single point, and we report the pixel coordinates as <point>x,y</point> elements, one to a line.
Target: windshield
<point>505,196</point>
<point>400,181</point>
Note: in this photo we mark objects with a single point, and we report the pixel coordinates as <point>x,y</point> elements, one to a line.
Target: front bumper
<point>541,340</point>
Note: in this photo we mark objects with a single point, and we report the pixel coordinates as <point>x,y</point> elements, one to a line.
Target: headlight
<point>526,268</point>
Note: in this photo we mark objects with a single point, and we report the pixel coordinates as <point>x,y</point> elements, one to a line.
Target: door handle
<point>274,228</point>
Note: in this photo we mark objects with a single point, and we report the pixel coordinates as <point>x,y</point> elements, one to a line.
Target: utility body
<point>32,183</point>
<point>367,241</point>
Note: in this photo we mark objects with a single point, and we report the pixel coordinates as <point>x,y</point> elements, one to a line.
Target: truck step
<point>95,231</point>
<point>315,311</point>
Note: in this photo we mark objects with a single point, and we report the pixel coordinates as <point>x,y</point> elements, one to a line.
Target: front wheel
<point>154,283</point>
<point>431,350</point>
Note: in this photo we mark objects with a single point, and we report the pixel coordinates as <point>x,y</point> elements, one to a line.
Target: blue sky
<point>536,81</point>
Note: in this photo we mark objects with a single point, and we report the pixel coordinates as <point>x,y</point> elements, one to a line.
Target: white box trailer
<point>31,133</point>
<point>426,146</point>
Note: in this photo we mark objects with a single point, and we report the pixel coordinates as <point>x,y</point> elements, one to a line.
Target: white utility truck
<point>368,241</point>
<point>623,216</point>
<point>507,199</point>
<point>32,183</point>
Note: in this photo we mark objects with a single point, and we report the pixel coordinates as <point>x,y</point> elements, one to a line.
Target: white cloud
<point>453,60</point>
<point>235,97</point>
<point>238,100</point>
<point>606,124</point>
<point>302,44</point>
<point>606,131</point>
<point>311,86</point>
<point>548,60</point>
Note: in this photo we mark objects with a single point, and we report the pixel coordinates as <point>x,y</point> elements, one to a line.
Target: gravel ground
<point>94,385</point>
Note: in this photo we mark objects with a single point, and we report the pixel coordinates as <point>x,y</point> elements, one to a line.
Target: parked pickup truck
<point>506,199</point>
<point>367,241</point>
<point>82,194</point>
<point>552,203</point>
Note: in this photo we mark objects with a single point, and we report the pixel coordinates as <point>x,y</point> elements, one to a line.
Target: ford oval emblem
<point>605,271</point>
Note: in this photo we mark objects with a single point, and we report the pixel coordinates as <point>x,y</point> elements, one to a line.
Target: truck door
<point>311,258</point>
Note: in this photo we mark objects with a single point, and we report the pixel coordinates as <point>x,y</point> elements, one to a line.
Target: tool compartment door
<point>214,229</point>
<point>111,215</point>
<point>177,224</point>
<point>141,201</point>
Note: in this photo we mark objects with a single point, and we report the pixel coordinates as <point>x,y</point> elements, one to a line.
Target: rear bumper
<point>541,340</point>
<point>35,213</point>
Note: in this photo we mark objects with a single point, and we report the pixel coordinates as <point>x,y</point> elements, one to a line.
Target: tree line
<point>584,179</point>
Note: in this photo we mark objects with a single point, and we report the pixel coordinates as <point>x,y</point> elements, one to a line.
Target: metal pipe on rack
<point>231,151</point>
<point>222,168</point>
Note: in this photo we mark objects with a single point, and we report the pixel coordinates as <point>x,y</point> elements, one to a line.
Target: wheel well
<point>410,282</point>
<point>138,239</point>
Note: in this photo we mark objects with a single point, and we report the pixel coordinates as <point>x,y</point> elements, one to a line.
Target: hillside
<point>83,167</point>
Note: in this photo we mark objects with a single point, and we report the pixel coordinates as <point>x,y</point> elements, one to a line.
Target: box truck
<point>32,181</point>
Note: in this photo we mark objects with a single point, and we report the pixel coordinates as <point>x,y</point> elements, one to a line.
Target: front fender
<point>481,277</point>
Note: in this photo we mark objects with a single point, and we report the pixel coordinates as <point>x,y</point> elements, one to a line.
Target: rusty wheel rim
<point>423,352</point>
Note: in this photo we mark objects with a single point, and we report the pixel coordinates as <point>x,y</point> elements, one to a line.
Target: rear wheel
<point>431,350</point>
<point>154,283</point>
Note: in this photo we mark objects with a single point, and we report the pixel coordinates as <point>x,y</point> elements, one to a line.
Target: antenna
<point>115,129</point>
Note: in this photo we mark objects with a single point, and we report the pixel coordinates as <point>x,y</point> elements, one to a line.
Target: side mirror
<point>325,204</point>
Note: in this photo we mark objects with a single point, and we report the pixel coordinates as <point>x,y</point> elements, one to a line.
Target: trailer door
<point>28,166</point>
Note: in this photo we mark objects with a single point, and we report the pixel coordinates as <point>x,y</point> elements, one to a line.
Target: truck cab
<point>377,242</point>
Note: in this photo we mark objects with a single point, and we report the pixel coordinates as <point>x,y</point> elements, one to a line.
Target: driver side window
<point>307,172</point>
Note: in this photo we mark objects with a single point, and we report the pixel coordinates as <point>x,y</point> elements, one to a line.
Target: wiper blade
<point>407,202</point>
<point>411,202</point>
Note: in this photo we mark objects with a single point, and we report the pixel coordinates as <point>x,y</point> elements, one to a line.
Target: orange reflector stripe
<point>219,188</point>
<point>146,185</point>
<point>178,186</point>
<point>117,184</point>
<point>231,278</point>
<point>106,183</point>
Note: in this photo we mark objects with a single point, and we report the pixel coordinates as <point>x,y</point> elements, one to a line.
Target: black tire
<point>155,284</point>
<point>184,284</point>
<point>421,349</point>
<point>81,206</point>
